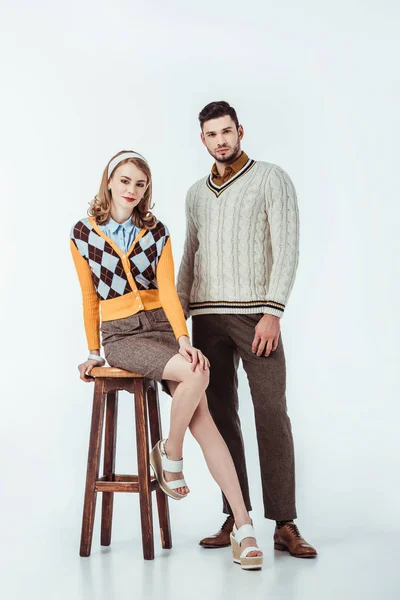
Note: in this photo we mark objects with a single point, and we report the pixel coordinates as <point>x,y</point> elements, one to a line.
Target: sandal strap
<point>176,484</point>
<point>250,549</point>
<point>173,466</point>
<point>244,531</point>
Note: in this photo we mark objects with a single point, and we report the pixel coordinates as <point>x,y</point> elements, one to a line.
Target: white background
<point>316,88</point>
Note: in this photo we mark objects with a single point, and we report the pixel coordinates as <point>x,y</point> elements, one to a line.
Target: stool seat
<point>112,372</point>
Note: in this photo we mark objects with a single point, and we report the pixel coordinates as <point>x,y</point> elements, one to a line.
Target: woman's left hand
<point>192,354</point>
<point>85,368</point>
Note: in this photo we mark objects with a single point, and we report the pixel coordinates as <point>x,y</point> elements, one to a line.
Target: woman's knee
<point>197,379</point>
<point>180,370</point>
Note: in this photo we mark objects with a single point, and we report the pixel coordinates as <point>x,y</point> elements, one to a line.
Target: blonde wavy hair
<point>100,206</point>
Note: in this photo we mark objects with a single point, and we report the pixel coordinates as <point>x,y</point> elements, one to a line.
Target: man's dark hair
<point>214,110</point>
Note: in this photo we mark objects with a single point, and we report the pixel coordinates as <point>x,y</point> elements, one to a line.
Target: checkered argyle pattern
<point>108,274</point>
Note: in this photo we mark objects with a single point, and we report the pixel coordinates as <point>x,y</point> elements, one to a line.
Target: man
<point>237,271</point>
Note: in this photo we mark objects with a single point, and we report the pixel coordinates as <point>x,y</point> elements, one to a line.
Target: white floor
<point>347,500</point>
<point>353,563</point>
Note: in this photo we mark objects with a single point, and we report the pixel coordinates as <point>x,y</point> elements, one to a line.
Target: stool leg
<point>142,443</point>
<point>155,432</point>
<point>110,440</point>
<point>92,473</point>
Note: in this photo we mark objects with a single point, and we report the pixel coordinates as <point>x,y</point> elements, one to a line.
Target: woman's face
<point>127,184</point>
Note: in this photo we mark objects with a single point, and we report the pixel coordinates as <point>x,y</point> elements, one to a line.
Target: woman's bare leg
<point>221,466</point>
<point>218,458</point>
<point>187,387</point>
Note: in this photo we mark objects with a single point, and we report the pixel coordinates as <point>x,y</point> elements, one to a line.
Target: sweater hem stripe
<point>236,306</point>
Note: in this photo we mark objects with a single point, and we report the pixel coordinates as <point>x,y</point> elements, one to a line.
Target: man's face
<point>222,139</point>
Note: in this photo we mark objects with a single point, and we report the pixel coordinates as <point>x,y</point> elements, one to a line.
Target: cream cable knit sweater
<point>241,250</point>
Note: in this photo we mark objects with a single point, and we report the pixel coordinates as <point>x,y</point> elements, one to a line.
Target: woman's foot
<point>250,541</point>
<point>244,548</point>
<point>174,476</point>
<point>168,472</point>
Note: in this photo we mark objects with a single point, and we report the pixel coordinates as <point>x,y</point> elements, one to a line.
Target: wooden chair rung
<point>117,486</point>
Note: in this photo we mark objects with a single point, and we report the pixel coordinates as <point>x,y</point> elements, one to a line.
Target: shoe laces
<point>294,529</point>
<point>227,522</point>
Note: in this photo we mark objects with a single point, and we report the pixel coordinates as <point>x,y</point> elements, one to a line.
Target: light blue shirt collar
<point>127,225</point>
<point>123,234</point>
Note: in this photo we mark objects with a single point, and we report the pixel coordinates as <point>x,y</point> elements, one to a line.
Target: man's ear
<point>203,139</point>
<point>240,132</point>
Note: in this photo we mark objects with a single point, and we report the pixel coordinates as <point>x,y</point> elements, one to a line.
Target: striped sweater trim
<point>218,189</point>
<point>237,305</point>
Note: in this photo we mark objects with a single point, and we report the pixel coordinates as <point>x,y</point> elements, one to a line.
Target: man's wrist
<point>269,316</point>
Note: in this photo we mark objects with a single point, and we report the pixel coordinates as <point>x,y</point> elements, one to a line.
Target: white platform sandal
<point>160,463</point>
<point>241,556</point>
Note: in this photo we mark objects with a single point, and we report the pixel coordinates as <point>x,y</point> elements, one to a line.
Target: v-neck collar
<point>112,243</point>
<point>218,189</point>
<point>230,170</point>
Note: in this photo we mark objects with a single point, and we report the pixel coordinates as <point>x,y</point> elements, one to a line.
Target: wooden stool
<point>108,381</point>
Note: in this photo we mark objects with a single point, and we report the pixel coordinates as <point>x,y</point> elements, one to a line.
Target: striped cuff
<point>277,312</point>
<point>274,308</point>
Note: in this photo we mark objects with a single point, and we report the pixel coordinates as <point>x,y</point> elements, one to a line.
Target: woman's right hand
<point>192,354</point>
<point>85,368</point>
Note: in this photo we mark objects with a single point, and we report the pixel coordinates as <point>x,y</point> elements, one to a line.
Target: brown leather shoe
<point>222,538</point>
<point>288,538</point>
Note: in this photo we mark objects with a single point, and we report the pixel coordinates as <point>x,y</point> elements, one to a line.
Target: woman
<point>124,262</point>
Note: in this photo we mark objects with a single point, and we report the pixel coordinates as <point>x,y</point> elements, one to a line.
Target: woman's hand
<point>193,355</point>
<point>85,368</point>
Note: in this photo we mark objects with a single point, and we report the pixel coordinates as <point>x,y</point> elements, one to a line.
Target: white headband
<point>115,161</point>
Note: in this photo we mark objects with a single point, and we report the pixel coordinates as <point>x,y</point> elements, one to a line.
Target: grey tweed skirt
<point>142,343</point>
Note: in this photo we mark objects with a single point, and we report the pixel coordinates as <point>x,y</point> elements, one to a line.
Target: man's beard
<point>227,158</point>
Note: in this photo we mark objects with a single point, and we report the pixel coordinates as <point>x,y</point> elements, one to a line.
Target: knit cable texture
<point>241,250</point>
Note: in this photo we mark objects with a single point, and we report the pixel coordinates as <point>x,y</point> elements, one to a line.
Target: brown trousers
<point>225,339</point>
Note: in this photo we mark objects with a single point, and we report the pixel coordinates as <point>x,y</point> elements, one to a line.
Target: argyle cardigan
<point>121,284</point>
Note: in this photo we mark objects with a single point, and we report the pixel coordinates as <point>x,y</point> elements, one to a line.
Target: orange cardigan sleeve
<point>167,291</point>
<point>90,299</point>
